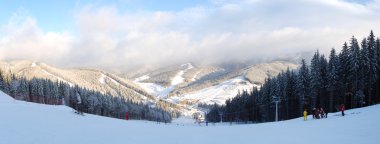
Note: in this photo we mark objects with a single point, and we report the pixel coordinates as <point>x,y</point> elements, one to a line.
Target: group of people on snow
<point>321,113</point>
<point>317,113</point>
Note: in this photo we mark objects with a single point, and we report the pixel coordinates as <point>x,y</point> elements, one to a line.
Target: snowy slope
<point>217,94</point>
<point>152,88</point>
<point>29,123</point>
<point>161,91</point>
<point>88,78</point>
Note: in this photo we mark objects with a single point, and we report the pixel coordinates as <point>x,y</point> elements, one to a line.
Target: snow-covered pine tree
<point>344,72</point>
<point>377,50</point>
<point>323,96</point>
<point>55,93</point>
<point>316,79</point>
<point>23,89</point>
<point>333,70</point>
<point>364,64</point>
<point>2,82</point>
<point>303,86</point>
<point>354,63</point>
<point>13,83</point>
<point>292,101</point>
<point>373,66</point>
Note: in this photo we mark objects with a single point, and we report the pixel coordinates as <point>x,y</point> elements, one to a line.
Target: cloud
<point>24,40</point>
<point>223,31</point>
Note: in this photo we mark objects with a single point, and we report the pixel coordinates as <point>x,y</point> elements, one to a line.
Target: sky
<point>130,34</point>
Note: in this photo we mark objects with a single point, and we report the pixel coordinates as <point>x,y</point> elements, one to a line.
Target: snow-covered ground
<point>30,123</point>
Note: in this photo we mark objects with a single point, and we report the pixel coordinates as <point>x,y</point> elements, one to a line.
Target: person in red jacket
<point>342,109</point>
<point>126,115</point>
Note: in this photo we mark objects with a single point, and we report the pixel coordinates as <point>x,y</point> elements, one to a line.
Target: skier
<point>78,104</point>
<point>126,116</point>
<point>326,112</point>
<point>342,108</point>
<point>305,115</point>
<point>317,112</point>
<point>322,113</point>
<point>314,112</point>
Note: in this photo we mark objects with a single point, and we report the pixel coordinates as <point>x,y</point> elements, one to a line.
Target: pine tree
<point>2,81</point>
<point>377,51</point>
<point>292,100</point>
<point>303,86</point>
<point>23,89</point>
<point>333,70</point>
<point>323,97</point>
<point>316,79</point>
<point>364,64</point>
<point>13,85</point>
<point>373,65</point>
<point>354,63</point>
<point>33,88</point>
<point>344,72</point>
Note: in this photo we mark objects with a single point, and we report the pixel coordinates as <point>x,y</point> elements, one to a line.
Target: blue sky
<point>57,15</point>
<point>128,34</point>
<point>51,15</point>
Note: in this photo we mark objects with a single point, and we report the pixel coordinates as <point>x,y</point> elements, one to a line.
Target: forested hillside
<point>350,77</point>
<point>57,93</point>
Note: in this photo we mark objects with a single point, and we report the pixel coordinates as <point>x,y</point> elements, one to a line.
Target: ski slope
<point>217,94</point>
<point>161,91</point>
<point>152,88</point>
<point>30,123</point>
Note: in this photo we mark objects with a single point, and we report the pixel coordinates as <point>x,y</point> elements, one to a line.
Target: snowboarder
<point>305,115</point>
<point>342,109</point>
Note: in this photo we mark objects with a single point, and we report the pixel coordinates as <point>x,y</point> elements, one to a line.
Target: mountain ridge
<point>175,85</point>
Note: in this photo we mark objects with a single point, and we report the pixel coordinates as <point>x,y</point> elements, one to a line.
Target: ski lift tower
<point>276,100</point>
<point>221,116</point>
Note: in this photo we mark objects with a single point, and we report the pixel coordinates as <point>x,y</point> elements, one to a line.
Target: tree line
<point>59,93</point>
<point>351,77</point>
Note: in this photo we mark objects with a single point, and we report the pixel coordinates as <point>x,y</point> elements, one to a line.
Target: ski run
<point>30,123</point>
